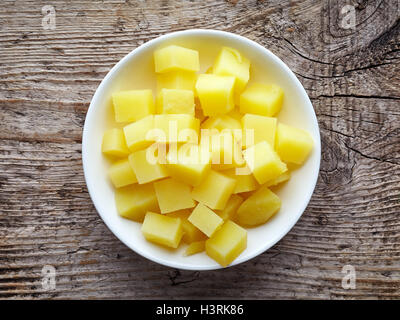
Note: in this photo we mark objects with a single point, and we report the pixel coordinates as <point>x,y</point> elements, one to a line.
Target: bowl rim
<point>114,70</point>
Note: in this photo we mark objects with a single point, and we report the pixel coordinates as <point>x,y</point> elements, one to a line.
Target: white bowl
<point>136,71</point>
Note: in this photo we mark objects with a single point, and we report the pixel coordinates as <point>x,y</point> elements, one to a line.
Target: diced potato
<point>133,105</point>
<point>229,212</point>
<point>263,129</point>
<point>282,178</point>
<point>121,174</point>
<point>195,247</point>
<point>293,144</point>
<point>114,143</point>
<point>258,208</point>
<point>191,168</point>
<point>176,128</point>
<point>206,220</point>
<point>184,80</point>
<point>227,243</point>
<point>215,93</point>
<point>226,150</point>
<point>264,162</point>
<point>173,58</point>
<point>215,190</point>
<point>134,201</point>
<point>231,63</point>
<point>262,99</point>
<point>173,195</point>
<point>244,182</point>
<point>162,229</point>
<point>136,133</point>
<point>177,101</point>
<point>191,233</point>
<point>145,170</point>
<point>221,122</point>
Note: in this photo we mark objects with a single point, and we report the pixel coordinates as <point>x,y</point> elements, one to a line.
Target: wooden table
<point>48,76</point>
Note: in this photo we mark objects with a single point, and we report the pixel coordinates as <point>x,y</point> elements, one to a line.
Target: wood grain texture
<point>49,76</point>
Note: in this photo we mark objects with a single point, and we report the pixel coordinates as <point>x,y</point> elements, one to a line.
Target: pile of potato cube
<point>203,201</point>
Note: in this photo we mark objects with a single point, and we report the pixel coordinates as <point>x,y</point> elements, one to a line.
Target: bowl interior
<point>136,71</point>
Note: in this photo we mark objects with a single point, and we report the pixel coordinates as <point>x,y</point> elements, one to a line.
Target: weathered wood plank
<point>49,76</point>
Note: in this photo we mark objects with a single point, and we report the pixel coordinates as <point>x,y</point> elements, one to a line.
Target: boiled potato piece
<point>184,80</point>
<point>231,63</point>
<point>189,164</point>
<point>262,128</point>
<point>258,208</point>
<point>173,195</point>
<point>214,191</point>
<point>136,133</point>
<point>206,220</point>
<point>134,201</point>
<point>282,178</point>
<point>133,105</point>
<point>263,99</point>
<point>162,229</point>
<point>293,144</point>
<point>264,162</point>
<point>195,247</point>
<point>146,171</point>
<point>244,182</point>
<point>215,93</point>
<point>177,101</point>
<point>174,128</point>
<point>114,143</point>
<point>191,233</point>
<point>225,149</point>
<point>227,243</point>
<point>121,174</point>
<point>173,58</point>
<point>229,212</point>
<point>222,122</point>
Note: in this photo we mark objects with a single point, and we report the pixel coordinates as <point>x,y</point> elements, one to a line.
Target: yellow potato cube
<point>177,101</point>
<point>293,144</point>
<point>226,150</point>
<point>262,128</point>
<point>189,164</point>
<point>227,243</point>
<point>173,58</point>
<point>215,93</point>
<point>133,105</point>
<point>262,99</point>
<point>176,128</point>
<point>264,162</point>
<point>258,208</point>
<point>231,207</point>
<point>244,182</point>
<point>206,220</point>
<point>282,178</point>
<point>195,247</point>
<point>162,229</point>
<point>231,63</point>
<point>191,233</point>
<point>184,80</point>
<point>145,170</point>
<point>134,201</point>
<point>221,122</point>
<point>136,133</point>
<point>121,174</point>
<point>215,190</point>
<point>114,143</point>
<point>173,195</point>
